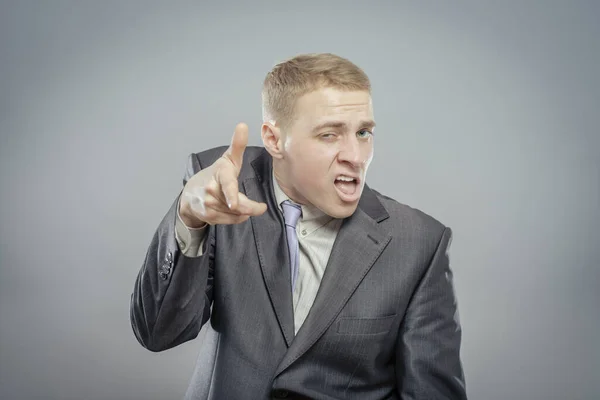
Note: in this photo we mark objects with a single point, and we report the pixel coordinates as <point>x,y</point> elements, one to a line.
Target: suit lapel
<point>271,245</point>
<point>358,244</point>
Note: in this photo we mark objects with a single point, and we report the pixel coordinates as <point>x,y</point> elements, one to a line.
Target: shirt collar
<point>312,217</point>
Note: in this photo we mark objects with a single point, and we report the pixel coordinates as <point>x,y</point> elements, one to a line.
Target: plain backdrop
<point>488,119</point>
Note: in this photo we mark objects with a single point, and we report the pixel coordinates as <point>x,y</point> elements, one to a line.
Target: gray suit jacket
<point>384,324</point>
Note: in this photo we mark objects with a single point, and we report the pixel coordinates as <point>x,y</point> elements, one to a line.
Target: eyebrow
<point>368,124</point>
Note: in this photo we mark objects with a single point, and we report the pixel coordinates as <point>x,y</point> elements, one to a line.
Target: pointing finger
<point>239,141</point>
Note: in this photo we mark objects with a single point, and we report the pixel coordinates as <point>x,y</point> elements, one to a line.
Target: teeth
<point>345,179</point>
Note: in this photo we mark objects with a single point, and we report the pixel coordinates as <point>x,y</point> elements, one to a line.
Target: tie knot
<point>291,213</point>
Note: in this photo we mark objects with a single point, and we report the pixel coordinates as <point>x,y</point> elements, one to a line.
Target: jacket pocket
<point>364,326</point>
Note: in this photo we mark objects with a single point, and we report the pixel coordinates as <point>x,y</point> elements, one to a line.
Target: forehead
<point>330,103</point>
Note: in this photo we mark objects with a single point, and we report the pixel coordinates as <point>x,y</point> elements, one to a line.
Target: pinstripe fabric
<point>383,324</point>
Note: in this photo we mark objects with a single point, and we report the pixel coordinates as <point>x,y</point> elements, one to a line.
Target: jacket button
<point>281,394</point>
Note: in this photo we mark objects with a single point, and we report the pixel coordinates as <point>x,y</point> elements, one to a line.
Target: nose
<point>351,152</point>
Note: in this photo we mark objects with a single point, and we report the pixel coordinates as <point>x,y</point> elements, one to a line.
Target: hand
<point>211,196</point>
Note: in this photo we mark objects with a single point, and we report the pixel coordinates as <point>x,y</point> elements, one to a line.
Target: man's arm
<point>172,294</point>
<point>428,348</point>
<point>190,240</point>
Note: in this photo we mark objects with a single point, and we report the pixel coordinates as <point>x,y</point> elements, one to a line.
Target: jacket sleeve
<point>428,348</point>
<point>172,294</point>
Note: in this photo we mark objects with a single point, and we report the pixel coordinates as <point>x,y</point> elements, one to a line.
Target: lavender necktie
<point>291,213</point>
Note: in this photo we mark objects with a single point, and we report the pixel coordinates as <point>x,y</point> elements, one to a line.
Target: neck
<point>281,177</point>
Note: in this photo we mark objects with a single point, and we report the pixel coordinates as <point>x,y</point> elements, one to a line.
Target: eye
<point>364,133</point>
<point>327,135</point>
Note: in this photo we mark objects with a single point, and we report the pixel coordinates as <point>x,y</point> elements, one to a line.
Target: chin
<point>341,210</point>
<point>332,204</point>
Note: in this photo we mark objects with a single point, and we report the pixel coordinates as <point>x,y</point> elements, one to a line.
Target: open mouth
<point>347,187</point>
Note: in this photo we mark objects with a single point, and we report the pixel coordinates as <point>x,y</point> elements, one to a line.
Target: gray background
<point>488,120</point>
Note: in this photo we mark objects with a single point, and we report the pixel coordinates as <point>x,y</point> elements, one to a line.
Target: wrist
<point>188,218</point>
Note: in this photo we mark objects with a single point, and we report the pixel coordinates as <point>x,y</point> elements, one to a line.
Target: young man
<point>316,286</point>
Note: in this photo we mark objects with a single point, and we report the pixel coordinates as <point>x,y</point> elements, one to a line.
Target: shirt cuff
<point>190,240</point>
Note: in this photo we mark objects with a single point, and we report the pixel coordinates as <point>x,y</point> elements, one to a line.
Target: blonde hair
<point>302,74</point>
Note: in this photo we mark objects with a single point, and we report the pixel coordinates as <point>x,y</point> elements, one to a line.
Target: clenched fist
<point>211,196</point>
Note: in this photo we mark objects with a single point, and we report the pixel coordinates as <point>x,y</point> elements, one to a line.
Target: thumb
<point>235,152</point>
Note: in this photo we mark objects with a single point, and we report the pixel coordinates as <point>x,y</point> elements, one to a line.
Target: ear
<point>272,140</point>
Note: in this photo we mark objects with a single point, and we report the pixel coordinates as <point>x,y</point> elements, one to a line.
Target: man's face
<point>327,150</point>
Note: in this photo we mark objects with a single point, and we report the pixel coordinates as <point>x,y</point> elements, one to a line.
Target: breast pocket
<point>364,326</point>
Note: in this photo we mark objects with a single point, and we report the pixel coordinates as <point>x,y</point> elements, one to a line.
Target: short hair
<point>302,74</point>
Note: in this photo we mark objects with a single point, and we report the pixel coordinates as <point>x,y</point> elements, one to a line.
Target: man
<point>316,286</point>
